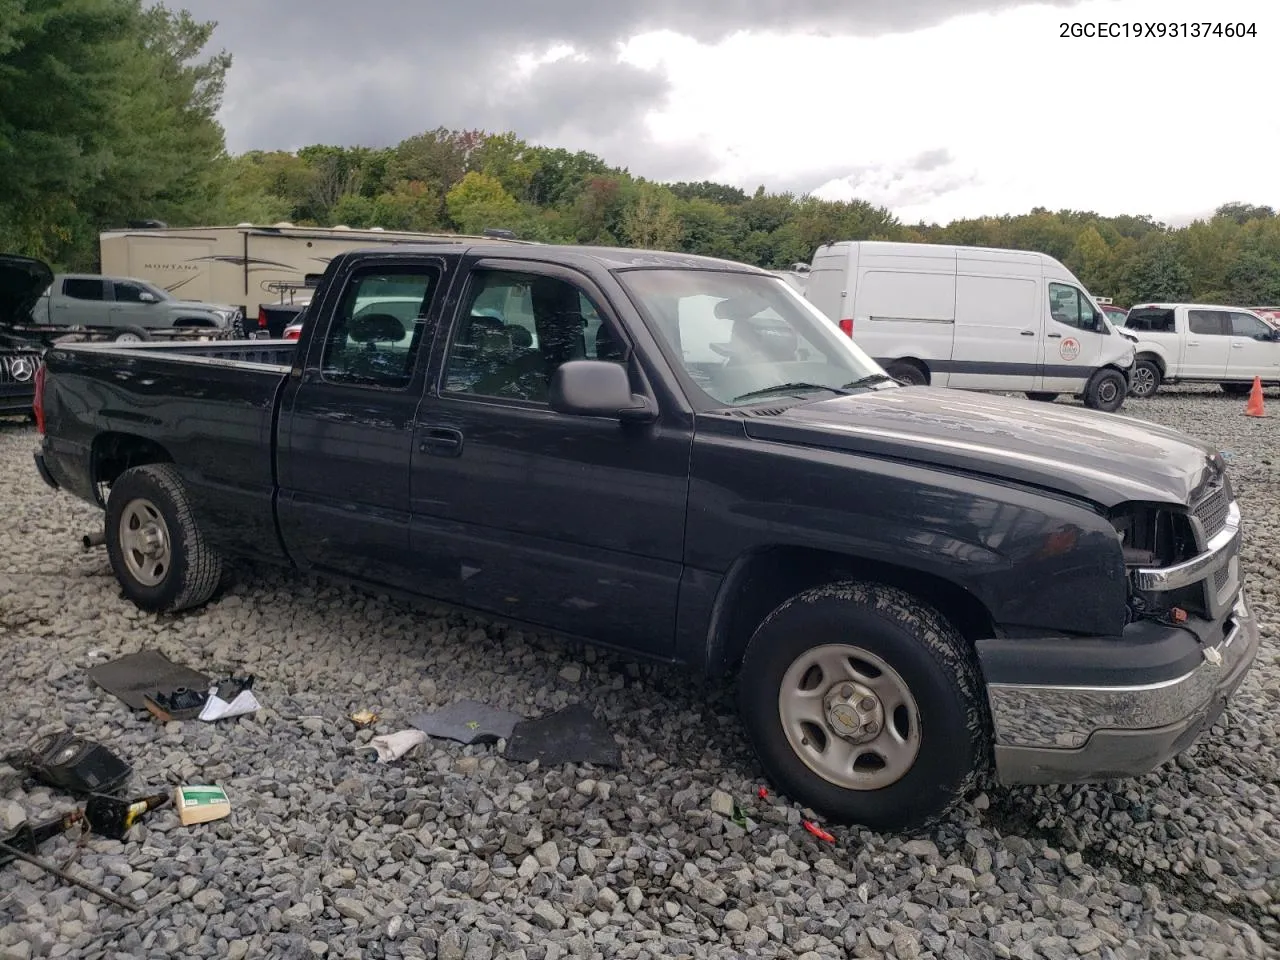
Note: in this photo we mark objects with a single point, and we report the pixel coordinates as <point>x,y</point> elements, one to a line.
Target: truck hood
<point>22,280</point>
<point>1100,457</point>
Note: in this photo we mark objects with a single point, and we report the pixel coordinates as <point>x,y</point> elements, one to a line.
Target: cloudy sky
<point>937,109</point>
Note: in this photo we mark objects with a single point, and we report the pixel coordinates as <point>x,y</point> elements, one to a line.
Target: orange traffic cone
<point>1254,407</point>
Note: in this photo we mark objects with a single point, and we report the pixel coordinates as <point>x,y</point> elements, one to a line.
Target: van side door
<point>345,436</point>
<point>997,331</point>
<point>1071,348</point>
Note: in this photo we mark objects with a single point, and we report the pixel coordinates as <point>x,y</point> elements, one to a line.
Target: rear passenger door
<point>347,420</point>
<point>82,301</point>
<point>1208,344</point>
<point>569,522</point>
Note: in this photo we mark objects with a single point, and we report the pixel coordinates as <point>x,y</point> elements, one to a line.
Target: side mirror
<point>148,297</point>
<point>598,388</point>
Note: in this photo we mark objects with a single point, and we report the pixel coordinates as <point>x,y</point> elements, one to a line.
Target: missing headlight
<point>1153,537</point>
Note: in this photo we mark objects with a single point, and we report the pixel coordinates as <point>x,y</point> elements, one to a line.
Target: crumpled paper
<point>393,746</point>
<point>215,708</point>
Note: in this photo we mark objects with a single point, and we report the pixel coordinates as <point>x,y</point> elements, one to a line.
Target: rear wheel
<point>865,705</point>
<point>128,336</point>
<point>157,552</point>
<point>1106,391</point>
<point>1146,378</point>
<point>908,373</point>
<point>1042,397</point>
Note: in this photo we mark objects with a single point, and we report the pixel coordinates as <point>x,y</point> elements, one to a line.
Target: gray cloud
<point>932,159</point>
<point>373,73</point>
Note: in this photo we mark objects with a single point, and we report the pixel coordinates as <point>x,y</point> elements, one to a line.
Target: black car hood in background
<point>22,280</point>
<point>1101,457</point>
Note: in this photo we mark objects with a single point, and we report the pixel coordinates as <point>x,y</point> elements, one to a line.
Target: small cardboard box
<point>200,804</point>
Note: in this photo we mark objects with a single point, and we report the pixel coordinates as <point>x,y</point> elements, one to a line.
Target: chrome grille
<point>1211,511</point>
<point>1220,578</point>
<point>18,366</point>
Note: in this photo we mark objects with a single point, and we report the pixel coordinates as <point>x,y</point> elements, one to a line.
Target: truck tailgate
<point>208,406</point>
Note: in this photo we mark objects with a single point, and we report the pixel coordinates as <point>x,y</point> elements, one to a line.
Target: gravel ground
<point>456,853</point>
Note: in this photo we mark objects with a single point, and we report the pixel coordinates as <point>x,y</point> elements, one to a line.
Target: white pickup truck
<point>1192,342</point>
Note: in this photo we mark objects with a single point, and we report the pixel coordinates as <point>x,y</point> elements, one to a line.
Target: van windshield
<point>743,338</point>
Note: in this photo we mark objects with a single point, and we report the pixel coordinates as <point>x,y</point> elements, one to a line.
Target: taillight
<point>262,318</point>
<point>37,402</point>
<point>846,327</point>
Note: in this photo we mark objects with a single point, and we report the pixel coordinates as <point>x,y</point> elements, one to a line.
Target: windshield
<point>742,338</point>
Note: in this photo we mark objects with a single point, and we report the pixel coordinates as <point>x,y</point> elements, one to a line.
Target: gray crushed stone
<point>459,854</point>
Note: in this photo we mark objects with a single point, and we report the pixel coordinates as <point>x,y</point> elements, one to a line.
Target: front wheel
<point>1146,378</point>
<point>866,705</point>
<point>157,552</point>
<point>1106,391</point>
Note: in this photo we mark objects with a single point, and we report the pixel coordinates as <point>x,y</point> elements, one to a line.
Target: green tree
<point>650,221</point>
<point>478,201</point>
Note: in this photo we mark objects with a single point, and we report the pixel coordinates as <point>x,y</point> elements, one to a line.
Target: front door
<point>565,521</point>
<point>128,308</point>
<point>346,421</point>
<point>1071,349</point>
<point>1208,344</point>
<point>1252,357</point>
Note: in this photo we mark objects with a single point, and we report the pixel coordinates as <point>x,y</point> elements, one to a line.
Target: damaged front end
<point>1182,562</point>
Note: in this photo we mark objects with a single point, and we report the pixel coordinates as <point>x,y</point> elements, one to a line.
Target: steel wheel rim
<point>144,540</point>
<point>1107,391</point>
<point>128,338</point>
<point>1144,381</point>
<point>824,703</point>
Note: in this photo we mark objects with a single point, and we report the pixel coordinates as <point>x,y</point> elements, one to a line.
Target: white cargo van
<point>974,318</point>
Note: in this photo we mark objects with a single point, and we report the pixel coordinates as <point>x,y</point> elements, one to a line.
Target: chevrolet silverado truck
<point>917,589</point>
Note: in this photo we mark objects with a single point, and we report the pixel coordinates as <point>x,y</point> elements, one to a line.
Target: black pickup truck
<point>679,457</point>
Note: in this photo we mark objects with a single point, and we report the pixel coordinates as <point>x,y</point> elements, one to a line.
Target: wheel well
<point>912,362</point>
<point>761,581</point>
<point>194,322</point>
<point>1154,358</point>
<point>114,453</point>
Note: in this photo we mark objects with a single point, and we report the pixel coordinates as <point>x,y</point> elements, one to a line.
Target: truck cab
<point>1202,343</point>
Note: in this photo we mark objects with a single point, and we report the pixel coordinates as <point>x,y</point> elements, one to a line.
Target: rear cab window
<point>377,332</point>
<point>1151,320</point>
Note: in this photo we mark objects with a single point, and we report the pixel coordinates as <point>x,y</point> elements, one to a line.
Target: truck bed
<point>209,406</point>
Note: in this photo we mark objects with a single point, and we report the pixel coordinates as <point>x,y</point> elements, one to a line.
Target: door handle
<point>1055,336</point>
<point>1237,346</point>
<point>441,442</point>
<point>1028,333</point>
<point>1193,343</point>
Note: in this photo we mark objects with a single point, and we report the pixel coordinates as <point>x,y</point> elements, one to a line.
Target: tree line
<point>108,113</point>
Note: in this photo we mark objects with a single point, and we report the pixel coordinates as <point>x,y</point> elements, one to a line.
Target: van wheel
<point>867,706</point>
<point>1043,397</point>
<point>157,552</point>
<point>908,373</point>
<point>1105,391</point>
<point>1146,378</point>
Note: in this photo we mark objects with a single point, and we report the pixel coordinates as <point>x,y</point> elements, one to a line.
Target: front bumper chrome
<point>1072,734</point>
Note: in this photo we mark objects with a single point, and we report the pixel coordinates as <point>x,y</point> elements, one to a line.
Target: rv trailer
<point>247,265</point>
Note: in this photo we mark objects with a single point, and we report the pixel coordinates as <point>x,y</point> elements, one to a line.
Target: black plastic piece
<point>74,764</point>
<point>1147,653</point>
